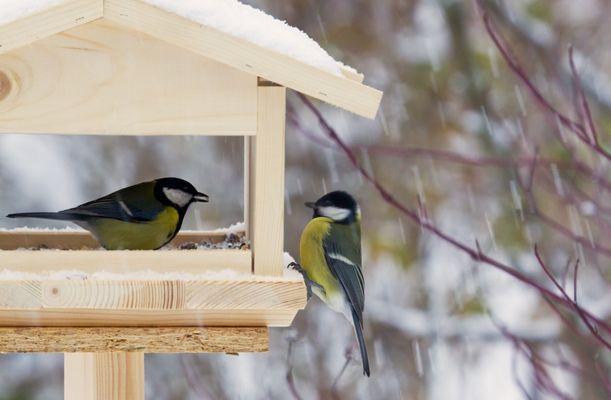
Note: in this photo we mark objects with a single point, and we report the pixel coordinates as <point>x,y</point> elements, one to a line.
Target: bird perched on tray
<point>145,216</point>
<point>330,251</point>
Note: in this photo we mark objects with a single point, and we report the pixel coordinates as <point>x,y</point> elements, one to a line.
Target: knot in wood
<point>5,85</point>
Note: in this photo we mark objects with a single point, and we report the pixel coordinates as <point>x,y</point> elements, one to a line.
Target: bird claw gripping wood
<point>308,282</point>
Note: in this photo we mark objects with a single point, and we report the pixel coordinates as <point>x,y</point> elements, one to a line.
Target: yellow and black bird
<point>145,216</point>
<point>330,251</point>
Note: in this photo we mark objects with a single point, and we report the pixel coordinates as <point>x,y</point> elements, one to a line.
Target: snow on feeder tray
<point>161,68</point>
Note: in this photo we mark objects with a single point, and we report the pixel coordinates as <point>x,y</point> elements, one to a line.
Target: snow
<point>228,16</point>
<point>239,227</point>
<point>76,275</point>
<point>12,10</point>
<point>235,229</point>
<point>290,273</point>
<point>251,24</point>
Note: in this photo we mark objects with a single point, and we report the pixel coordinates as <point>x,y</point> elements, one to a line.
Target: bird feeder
<point>153,67</point>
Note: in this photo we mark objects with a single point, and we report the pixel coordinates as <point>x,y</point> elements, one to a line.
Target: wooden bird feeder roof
<point>342,88</point>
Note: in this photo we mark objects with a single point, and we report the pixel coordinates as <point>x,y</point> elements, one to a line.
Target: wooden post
<point>249,182</point>
<point>104,376</point>
<point>266,190</point>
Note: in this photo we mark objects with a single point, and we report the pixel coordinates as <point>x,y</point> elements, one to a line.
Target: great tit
<point>330,251</point>
<point>145,216</point>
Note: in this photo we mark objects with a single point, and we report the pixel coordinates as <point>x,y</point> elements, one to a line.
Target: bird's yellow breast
<point>313,257</point>
<point>121,235</point>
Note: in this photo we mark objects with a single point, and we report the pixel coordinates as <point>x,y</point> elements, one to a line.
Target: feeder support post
<point>264,192</point>
<point>104,376</point>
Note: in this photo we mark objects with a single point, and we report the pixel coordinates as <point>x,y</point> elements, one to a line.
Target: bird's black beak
<point>201,198</point>
<point>311,205</point>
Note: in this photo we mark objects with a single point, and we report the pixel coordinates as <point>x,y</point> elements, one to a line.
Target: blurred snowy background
<point>439,324</point>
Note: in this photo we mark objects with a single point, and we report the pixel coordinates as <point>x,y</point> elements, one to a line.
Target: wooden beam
<point>134,318</point>
<point>106,376</point>
<point>124,261</point>
<point>117,295</point>
<point>267,191</point>
<point>145,339</point>
<point>78,240</point>
<point>245,56</point>
<point>47,22</point>
<point>236,294</point>
<point>255,295</point>
<point>102,78</point>
<point>249,180</point>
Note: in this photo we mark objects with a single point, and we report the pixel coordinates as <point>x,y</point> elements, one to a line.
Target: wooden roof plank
<point>342,92</point>
<point>48,22</point>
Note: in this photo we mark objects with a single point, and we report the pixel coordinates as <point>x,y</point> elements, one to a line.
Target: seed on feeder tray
<point>188,246</point>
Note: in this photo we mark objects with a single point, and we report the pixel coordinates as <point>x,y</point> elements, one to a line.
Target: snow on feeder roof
<point>228,31</point>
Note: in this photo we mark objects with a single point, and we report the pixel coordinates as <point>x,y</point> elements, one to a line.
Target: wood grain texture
<point>122,339</point>
<point>245,56</point>
<point>114,295</point>
<point>250,295</point>
<point>160,295</point>
<point>59,18</point>
<point>133,318</point>
<point>248,185</point>
<point>80,240</point>
<point>20,294</point>
<point>101,78</point>
<point>105,376</point>
<point>122,261</point>
<point>267,190</point>
<point>153,295</point>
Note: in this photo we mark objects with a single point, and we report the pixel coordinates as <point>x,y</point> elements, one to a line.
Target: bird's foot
<point>296,267</point>
<point>308,282</point>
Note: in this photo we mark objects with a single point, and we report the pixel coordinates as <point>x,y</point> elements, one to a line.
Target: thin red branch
<point>583,100</point>
<point>583,316</point>
<point>453,157</point>
<point>578,129</point>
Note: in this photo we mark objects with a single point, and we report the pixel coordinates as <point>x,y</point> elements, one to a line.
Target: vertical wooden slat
<point>104,376</point>
<point>248,183</point>
<point>267,190</point>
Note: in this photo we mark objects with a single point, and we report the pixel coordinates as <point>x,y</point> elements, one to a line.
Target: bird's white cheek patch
<point>335,213</point>
<point>177,196</point>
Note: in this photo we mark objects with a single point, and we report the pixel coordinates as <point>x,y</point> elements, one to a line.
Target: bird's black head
<point>340,206</point>
<point>178,193</point>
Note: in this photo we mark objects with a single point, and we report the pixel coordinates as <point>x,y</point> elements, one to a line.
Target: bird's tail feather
<point>44,215</point>
<point>358,328</point>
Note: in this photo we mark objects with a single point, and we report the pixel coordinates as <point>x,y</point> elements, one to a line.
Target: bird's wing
<point>133,204</point>
<point>343,255</point>
<point>342,247</point>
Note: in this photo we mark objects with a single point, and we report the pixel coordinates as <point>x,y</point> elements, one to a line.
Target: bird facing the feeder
<point>145,216</point>
<point>330,251</point>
